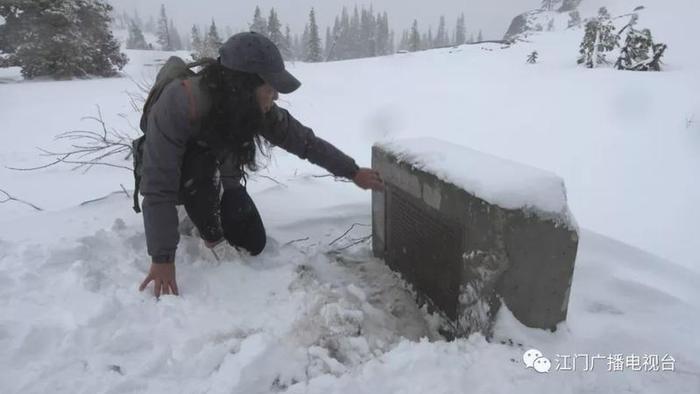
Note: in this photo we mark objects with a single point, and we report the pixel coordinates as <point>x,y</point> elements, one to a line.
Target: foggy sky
<point>492,16</point>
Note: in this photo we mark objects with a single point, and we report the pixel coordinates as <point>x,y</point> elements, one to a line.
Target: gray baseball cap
<point>254,53</point>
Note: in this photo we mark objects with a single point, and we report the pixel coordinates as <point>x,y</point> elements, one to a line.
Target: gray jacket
<point>173,123</point>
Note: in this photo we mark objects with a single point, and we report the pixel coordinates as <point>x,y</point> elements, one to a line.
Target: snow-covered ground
<point>308,317</point>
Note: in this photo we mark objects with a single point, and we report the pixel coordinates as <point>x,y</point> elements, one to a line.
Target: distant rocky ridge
<point>536,20</point>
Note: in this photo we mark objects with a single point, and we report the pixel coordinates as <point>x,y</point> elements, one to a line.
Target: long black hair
<point>235,119</point>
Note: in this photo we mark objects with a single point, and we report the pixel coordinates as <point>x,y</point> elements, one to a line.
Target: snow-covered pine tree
<point>383,35</point>
<point>289,43</point>
<point>259,25</point>
<point>608,39</point>
<point>274,31</point>
<point>574,19</point>
<point>328,43</point>
<point>302,48</point>
<point>441,37</point>
<point>355,46</point>
<point>460,31</point>
<point>163,32</point>
<point>414,43</point>
<point>212,42</point>
<point>136,40</point>
<point>599,38</point>
<point>313,43</point>
<point>480,37</point>
<point>532,58</point>
<point>175,39</point>
<point>368,33</point>
<point>196,43</point>
<point>640,53</point>
<point>61,39</point>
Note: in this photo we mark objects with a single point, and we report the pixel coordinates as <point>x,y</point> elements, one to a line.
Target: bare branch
<point>348,231</point>
<point>296,240</point>
<point>124,190</point>
<point>270,178</point>
<point>357,241</point>
<point>9,197</point>
<point>91,148</point>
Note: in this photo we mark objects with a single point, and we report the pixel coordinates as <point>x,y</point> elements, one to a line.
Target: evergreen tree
<point>196,43</point>
<point>274,30</point>
<point>163,32</point>
<point>599,38</point>
<point>384,46</point>
<point>60,38</point>
<point>480,37</point>
<point>368,31</point>
<point>303,48</point>
<point>403,44</point>
<point>328,43</point>
<point>460,31</point>
<point>212,42</point>
<point>288,43</point>
<point>299,52</point>
<point>313,40</point>
<point>640,53</point>
<point>354,39</point>
<point>259,24</point>
<point>441,39</point>
<point>136,40</point>
<point>175,39</point>
<point>414,41</point>
<point>550,25</point>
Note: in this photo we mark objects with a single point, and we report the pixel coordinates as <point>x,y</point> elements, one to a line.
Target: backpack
<point>174,68</point>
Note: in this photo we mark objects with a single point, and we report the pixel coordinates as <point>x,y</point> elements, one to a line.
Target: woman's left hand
<point>367,178</point>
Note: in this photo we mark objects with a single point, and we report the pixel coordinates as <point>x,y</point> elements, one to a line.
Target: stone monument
<point>470,231</point>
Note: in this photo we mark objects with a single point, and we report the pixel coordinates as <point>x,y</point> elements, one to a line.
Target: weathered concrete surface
<point>464,256</point>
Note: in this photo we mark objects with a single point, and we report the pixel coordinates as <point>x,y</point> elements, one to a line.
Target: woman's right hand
<point>163,277</point>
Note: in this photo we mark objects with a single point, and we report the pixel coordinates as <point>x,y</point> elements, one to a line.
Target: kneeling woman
<point>203,134</point>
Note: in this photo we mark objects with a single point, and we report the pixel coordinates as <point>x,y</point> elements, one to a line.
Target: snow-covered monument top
<point>501,182</point>
<point>471,232</point>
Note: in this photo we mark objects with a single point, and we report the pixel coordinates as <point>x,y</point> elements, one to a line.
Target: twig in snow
<point>272,179</point>
<point>346,233</point>
<point>357,241</point>
<point>296,240</point>
<point>9,197</point>
<point>124,190</point>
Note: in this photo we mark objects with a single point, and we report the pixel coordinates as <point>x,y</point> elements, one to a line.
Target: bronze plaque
<point>425,247</point>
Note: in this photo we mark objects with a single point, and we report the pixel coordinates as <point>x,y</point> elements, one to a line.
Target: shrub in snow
<point>60,38</point>
<point>640,53</point>
<point>599,39</point>
<point>532,59</point>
